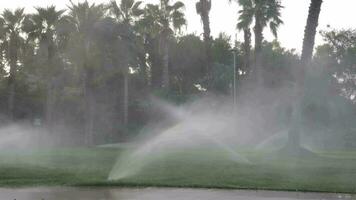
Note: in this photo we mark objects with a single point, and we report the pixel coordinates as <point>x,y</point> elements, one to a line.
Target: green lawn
<point>327,172</point>
<point>56,167</point>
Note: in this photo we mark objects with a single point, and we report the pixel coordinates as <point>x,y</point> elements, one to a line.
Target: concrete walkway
<point>158,194</point>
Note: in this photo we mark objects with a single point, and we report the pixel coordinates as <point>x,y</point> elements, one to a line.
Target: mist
<point>117,94</point>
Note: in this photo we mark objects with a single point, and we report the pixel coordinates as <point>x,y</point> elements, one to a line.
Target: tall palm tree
<point>307,53</point>
<point>244,23</point>
<point>246,48</point>
<point>163,20</point>
<point>10,34</point>
<point>310,32</point>
<point>42,27</point>
<point>83,17</point>
<point>172,19</point>
<point>149,29</point>
<point>267,12</point>
<point>203,8</point>
<point>262,13</point>
<point>126,13</point>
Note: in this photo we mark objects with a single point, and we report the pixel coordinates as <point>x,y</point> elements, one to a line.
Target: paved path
<point>158,194</point>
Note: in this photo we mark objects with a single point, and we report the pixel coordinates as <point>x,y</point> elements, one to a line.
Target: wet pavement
<point>158,194</point>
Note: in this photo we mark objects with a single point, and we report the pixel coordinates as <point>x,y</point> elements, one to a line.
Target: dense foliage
<point>91,68</point>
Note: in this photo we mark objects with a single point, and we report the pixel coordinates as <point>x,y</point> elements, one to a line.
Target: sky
<point>336,13</point>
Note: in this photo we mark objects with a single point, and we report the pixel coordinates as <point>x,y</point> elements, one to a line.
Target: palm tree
<point>203,8</point>
<point>263,13</point>
<point>83,17</point>
<point>126,13</point>
<point>246,48</point>
<point>163,20</point>
<point>43,27</point>
<point>310,32</point>
<point>10,34</point>
<point>267,12</point>
<point>149,29</point>
<point>307,53</point>
<point>172,19</point>
<point>244,23</point>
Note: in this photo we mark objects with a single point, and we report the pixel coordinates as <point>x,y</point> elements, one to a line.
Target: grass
<point>59,167</point>
<point>327,172</point>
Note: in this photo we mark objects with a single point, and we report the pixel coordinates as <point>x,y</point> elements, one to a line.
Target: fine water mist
<point>19,137</point>
<point>208,124</point>
<point>27,136</point>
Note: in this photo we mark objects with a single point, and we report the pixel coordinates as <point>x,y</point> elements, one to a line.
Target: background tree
<point>126,14</point>
<point>171,18</point>
<point>338,56</point>
<point>279,63</point>
<point>244,25</point>
<point>187,60</point>
<point>127,11</point>
<point>149,29</point>
<point>307,53</point>
<point>223,69</point>
<point>203,8</point>
<point>97,63</point>
<point>262,13</point>
<point>157,27</point>
<point>10,34</point>
<point>83,17</point>
<point>42,27</point>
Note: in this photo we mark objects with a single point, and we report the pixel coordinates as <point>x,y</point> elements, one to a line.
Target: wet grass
<point>327,172</point>
<point>58,167</point>
<point>323,173</point>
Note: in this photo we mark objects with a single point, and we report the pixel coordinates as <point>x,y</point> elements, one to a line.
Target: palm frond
<point>136,11</point>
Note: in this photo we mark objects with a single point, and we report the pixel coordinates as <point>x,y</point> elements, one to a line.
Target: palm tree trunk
<point>165,62</point>
<point>89,107</point>
<point>247,49</point>
<point>309,34</point>
<point>50,90</point>
<point>12,78</point>
<point>164,48</point>
<point>153,46</point>
<point>126,99</point>
<point>144,69</point>
<point>49,105</point>
<point>11,97</point>
<point>207,38</point>
<point>258,71</point>
<point>307,53</point>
